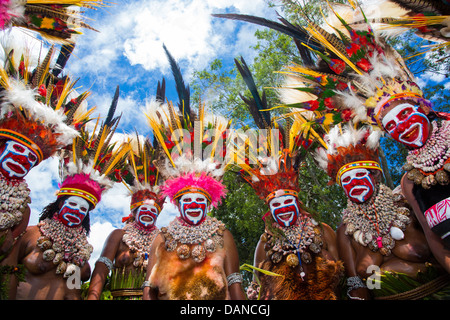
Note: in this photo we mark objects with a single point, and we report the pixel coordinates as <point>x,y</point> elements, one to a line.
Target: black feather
<point>295,32</point>
<point>161,91</point>
<point>182,89</point>
<point>112,109</point>
<point>64,55</point>
<point>438,7</point>
<point>257,104</point>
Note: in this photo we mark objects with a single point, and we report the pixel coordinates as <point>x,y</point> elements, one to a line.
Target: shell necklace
<point>206,237</point>
<point>66,247</point>
<point>425,165</point>
<point>14,196</point>
<point>298,240</point>
<point>378,222</point>
<point>139,240</point>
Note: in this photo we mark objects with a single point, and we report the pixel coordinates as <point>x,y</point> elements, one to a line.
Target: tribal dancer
<point>126,251</point>
<point>39,114</point>
<point>377,228</point>
<point>300,251</point>
<point>367,80</point>
<point>55,252</point>
<point>195,257</point>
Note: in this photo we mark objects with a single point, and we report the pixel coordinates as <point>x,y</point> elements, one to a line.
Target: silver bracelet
<point>145,284</point>
<point>234,278</point>
<point>354,283</point>
<point>108,263</point>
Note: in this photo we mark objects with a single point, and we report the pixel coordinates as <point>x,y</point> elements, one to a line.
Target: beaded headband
<point>367,164</point>
<point>397,96</point>
<point>190,189</point>
<point>280,193</point>
<point>79,193</point>
<point>137,204</point>
<point>24,140</point>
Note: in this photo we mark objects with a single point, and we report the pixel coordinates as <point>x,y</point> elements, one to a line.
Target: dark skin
<point>230,265</point>
<point>329,240</point>
<point>12,234</point>
<point>41,281</point>
<point>408,256</point>
<point>118,252</point>
<point>441,254</point>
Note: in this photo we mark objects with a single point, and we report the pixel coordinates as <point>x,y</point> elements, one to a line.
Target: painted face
<point>358,185</point>
<point>73,211</point>
<point>407,124</point>
<point>16,160</point>
<point>147,213</point>
<point>284,210</point>
<point>193,208</point>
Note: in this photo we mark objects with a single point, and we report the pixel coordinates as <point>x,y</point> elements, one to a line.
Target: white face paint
<point>147,213</point>
<point>16,160</point>
<point>407,124</point>
<point>193,207</point>
<point>358,185</point>
<point>284,210</point>
<point>73,211</point>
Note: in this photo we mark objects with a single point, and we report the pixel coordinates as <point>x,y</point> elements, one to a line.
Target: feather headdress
<point>190,145</point>
<point>139,174</point>
<point>347,147</point>
<point>274,171</point>
<point>38,108</point>
<point>55,20</point>
<point>357,74</point>
<point>430,19</point>
<point>89,168</point>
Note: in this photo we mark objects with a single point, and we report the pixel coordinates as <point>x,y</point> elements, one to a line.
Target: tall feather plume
<point>64,55</point>
<point>182,89</point>
<point>36,78</point>
<point>296,32</point>
<point>257,106</point>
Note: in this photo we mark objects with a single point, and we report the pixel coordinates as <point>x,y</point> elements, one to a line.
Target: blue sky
<point>127,51</point>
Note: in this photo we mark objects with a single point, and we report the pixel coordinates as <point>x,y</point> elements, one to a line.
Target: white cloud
<point>128,52</point>
<point>99,232</point>
<point>136,31</point>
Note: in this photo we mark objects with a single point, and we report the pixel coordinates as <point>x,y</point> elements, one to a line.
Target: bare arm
<point>441,254</point>
<point>232,266</point>
<point>150,293</point>
<point>101,271</point>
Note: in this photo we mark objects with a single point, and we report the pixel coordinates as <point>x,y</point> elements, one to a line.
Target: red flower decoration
<point>328,102</point>
<point>352,49</point>
<point>313,104</point>
<point>337,65</point>
<point>364,64</point>
<point>347,114</point>
<point>42,90</point>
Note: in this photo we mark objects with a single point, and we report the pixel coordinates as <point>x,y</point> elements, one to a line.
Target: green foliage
<point>242,212</point>
<point>325,202</point>
<point>242,209</point>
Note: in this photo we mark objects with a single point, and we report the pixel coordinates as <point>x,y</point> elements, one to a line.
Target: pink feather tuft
<point>5,15</point>
<point>213,187</point>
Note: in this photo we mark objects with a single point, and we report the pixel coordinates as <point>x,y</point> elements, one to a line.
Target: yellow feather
<point>327,44</point>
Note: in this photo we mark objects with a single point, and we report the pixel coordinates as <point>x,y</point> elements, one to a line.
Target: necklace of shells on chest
<point>139,240</point>
<point>14,196</point>
<point>430,164</point>
<point>66,247</point>
<point>299,240</point>
<point>205,237</point>
<point>378,222</point>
